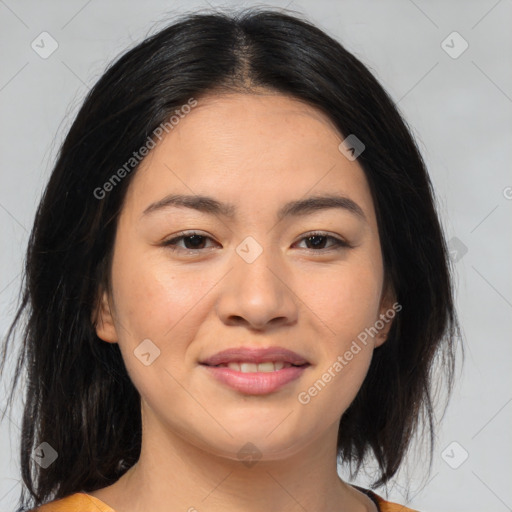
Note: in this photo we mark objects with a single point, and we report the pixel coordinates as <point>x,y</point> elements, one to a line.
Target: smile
<point>256,379</point>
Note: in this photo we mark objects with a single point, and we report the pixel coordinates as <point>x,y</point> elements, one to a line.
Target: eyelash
<point>170,244</point>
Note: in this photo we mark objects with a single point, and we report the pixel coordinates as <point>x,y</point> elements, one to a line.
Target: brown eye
<point>318,240</point>
<point>192,242</point>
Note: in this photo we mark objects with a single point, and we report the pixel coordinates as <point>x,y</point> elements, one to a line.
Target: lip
<point>255,383</point>
<point>255,355</point>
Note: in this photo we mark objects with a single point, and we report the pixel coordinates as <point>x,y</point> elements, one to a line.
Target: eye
<point>318,240</point>
<point>194,240</point>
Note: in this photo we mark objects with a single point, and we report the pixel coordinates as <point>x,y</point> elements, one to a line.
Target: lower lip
<point>256,383</point>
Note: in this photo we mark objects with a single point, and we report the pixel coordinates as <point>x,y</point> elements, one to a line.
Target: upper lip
<point>255,355</point>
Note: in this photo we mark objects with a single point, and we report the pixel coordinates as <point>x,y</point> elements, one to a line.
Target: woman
<point>236,277</point>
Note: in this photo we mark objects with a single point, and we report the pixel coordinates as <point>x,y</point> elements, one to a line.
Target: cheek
<point>348,305</point>
<point>153,303</point>
<point>345,300</point>
<point>163,304</point>
<point>151,298</point>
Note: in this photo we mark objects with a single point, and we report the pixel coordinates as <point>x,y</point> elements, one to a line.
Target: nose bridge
<point>254,262</point>
<point>256,290</point>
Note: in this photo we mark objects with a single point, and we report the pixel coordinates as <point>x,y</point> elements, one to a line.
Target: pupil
<point>317,237</point>
<point>198,240</point>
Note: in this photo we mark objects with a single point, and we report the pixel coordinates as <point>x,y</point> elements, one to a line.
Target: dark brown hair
<point>75,381</point>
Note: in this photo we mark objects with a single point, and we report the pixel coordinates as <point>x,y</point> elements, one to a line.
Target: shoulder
<point>388,506</point>
<point>78,502</point>
<point>382,504</point>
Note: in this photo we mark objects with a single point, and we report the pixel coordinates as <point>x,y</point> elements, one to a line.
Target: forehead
<point>243,148</point>
<point>265,114</point>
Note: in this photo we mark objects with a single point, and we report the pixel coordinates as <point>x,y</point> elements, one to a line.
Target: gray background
<point>459,109</point>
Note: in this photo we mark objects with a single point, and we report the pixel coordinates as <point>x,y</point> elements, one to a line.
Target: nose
<point>258,294</point>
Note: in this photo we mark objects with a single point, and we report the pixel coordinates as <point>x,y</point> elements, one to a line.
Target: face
<point>195,281</point>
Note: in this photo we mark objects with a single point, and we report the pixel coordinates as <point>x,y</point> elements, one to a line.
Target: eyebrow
<point>300,207</point>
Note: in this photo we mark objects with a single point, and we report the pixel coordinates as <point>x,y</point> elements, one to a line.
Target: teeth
<point>248,367</point>
<point>265,367</point>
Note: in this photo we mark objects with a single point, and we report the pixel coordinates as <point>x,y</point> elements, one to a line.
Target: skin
<point>257,151</point>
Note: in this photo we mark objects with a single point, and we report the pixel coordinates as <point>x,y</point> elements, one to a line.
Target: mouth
<point>255,382</point>
<point>263,358</point>
<point>256,378</point>
<point>255,370</point>
<point>264,367</point>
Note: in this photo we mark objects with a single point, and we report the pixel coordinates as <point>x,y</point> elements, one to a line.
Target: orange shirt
<point>82,502</point>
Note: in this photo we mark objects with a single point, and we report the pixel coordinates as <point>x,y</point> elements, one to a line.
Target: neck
<point>174,473</point>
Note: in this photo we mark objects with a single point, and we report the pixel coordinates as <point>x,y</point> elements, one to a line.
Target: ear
<point>389,308</point>
<point>103,320</point>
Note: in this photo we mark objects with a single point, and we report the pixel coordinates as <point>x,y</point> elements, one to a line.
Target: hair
<point>75,381</point>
